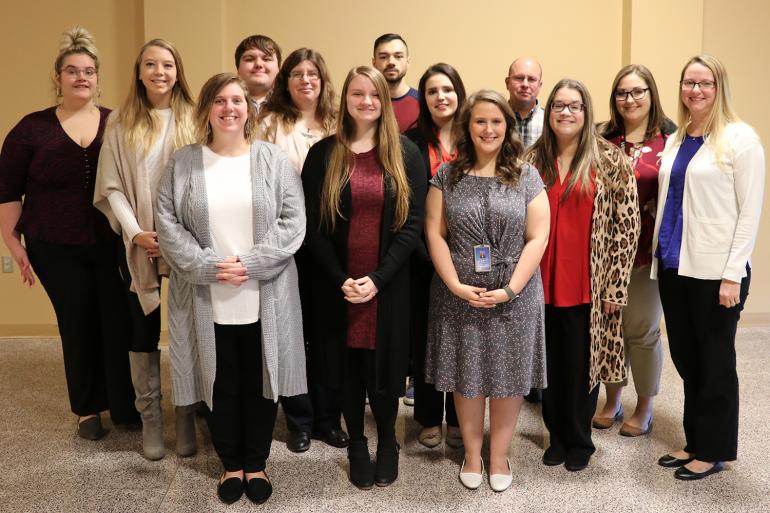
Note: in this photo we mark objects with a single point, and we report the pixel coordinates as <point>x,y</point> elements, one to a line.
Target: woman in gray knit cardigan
<point>229,217</point>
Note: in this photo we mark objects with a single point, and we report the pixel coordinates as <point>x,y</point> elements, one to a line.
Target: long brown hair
<point>508,161</point>
<point>587,156</point>
<point>656,120</point>
<point>282,107</point>
<point>425,120</point>
<point>389,154</point>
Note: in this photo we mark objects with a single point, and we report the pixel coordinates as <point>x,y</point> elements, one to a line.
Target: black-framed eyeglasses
<point>705,85</point>
<point>573,107</point>
<point>637,93</point>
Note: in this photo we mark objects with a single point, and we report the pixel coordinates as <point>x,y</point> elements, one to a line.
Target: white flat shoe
<point>471,480</point>
<point>501,482</point>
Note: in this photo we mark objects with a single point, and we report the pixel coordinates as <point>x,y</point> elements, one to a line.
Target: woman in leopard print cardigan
<point>586,268</point>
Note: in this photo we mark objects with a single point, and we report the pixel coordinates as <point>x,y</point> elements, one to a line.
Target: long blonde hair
<point>722,112</point>
<point>389,154</point>
<point>140,123</point>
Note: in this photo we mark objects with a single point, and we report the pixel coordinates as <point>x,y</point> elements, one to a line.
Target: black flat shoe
<point>685,474</point>
<point>298,442</point>
<point>334,437</point>
<point>258,490</point>
<point>230,490</point>
<point>91,428</point>
<point>576,461</point>
<point>386,467</point>
<point>669,461</point>
<point>553,456</point>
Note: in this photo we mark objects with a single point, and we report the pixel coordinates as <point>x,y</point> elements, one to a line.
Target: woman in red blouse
<point>585,269</point>
<point>47,172</point>
<point>639,128</point>
<point>442,96</point>
<point>364,194</point>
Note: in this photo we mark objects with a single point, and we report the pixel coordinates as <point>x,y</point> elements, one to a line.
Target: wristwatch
<point>511,295</point>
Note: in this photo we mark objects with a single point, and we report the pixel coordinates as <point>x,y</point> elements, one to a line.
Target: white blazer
<point>721,206</point>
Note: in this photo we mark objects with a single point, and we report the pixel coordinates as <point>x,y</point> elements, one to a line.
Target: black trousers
<point>360,380</point>
<point>701,337</point>
<point>145,329</point>
<point>429,404</point>
<point>86,292</point>
<point>568,406</point>
<point>242,420</point>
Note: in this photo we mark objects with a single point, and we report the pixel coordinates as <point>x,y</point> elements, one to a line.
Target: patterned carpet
<point>47,468</point>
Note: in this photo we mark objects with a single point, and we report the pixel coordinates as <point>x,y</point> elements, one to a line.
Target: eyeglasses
<point>705,85</point>
<point>299,75</point>
<point>73,72</point>
<point>573,107</point>
<point>521,79</point>
<point>636,93</point>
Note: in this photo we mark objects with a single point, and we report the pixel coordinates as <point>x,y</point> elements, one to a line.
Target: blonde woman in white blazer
<point>709,204</point>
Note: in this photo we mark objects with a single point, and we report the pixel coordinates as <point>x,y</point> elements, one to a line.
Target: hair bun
<point>77,39</point>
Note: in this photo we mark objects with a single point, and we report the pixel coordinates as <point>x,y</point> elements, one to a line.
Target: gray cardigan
<point>182,223</point>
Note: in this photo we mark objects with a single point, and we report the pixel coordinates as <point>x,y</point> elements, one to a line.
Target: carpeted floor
<point>47,468</point>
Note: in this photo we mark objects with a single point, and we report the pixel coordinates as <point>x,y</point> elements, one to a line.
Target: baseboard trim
<point>45,331</point>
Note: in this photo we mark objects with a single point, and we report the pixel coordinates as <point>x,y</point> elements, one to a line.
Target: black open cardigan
<point>327,262</point>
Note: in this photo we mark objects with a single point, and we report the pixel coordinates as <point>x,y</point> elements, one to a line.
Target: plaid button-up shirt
<point>530,128</point>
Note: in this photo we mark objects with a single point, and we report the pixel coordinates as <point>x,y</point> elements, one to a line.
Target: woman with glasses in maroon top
<point>47,172</point>
<point>639,128</point>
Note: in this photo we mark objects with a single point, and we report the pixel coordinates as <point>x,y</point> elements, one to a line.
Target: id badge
<point>482,258</point>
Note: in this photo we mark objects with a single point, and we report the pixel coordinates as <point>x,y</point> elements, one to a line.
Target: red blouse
<point>565,266</point>
<point>435,160</point>
<point>367,192</point>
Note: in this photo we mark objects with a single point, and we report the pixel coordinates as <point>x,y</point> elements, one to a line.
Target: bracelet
<point>511,295</point>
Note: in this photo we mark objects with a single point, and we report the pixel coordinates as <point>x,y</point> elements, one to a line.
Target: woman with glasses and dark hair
<point>709,203</point>
<point>155,120</point>
<point>230,216</point>
<point>639,128</point>
<point>441,98</point>
<point>364,193</point>
<point>585,269</point>
<point>299,113</point>
<point>47,172</point>
<point>486,227</point>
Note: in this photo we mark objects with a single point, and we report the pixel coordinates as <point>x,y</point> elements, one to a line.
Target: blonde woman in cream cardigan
<point>155,120</point>
<point>712,176</point>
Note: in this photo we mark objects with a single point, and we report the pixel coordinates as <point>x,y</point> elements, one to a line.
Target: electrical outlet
<point>7,264</point>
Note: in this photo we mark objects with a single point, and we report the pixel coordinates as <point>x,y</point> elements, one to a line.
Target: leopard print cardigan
<point>614,237</point>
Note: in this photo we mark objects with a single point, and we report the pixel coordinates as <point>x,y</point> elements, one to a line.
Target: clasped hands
<point>233,272</point>
<point>479,297</point>
<point>360,290</point>
<point>149,242</point>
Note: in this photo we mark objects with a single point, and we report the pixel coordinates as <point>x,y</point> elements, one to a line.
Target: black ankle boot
<point>386,468</point>
<point>361,468</point>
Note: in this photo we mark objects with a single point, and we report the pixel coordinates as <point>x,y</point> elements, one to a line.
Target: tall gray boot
<point>186,443</point>
<point>145,374</point>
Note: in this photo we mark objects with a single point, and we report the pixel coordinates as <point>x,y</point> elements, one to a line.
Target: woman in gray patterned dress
<point>486,210</point>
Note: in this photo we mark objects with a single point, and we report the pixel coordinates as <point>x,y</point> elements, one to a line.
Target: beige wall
<point>587,40</point>
<point>29,37</point>
<point>736,31</point>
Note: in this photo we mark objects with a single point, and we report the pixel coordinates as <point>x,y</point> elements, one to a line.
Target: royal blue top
<point>670,232</point>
